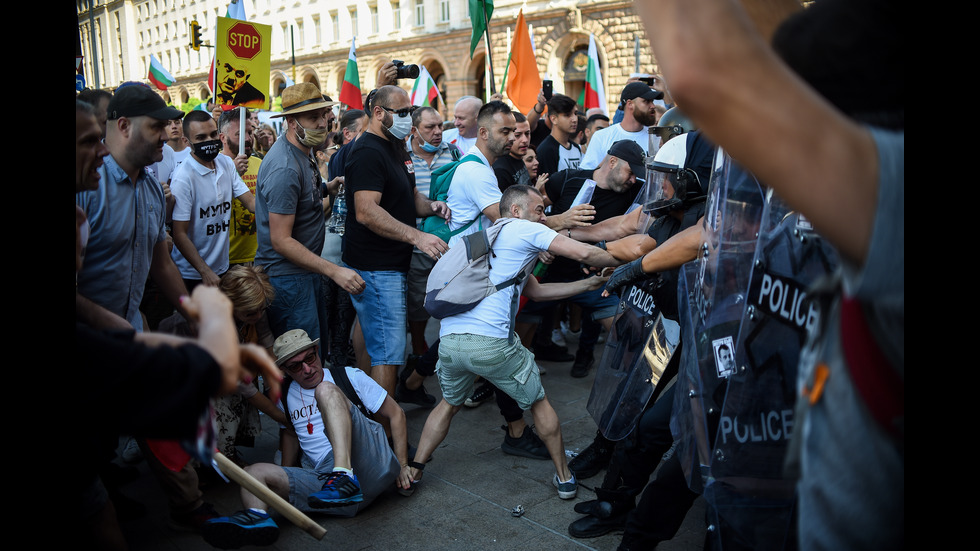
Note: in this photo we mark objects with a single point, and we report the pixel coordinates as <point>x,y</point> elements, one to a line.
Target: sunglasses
<point>296,366</point>
<point>401,112</point>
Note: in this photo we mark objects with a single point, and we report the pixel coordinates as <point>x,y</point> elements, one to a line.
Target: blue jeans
<point>298,304</point>
<point>382,313</point>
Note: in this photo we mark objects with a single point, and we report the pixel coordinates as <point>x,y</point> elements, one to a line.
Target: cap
<point>135,99</point>
<point>635,90</point>
<point>633,154</point>
<point>291,343</point>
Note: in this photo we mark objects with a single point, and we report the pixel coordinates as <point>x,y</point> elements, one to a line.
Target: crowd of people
<point>223,270</point>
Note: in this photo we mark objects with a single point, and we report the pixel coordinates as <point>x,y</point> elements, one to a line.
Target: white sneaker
<point>566,490</point>
<point>558,338</point>
<point>570,336</point>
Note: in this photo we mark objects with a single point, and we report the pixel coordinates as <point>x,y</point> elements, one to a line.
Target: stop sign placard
<point>244,40</point>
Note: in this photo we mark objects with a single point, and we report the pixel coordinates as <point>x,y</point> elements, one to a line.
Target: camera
<point>405,71</point>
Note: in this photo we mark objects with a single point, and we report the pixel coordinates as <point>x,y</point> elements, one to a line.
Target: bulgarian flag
<point>425,91</point>
<point>595,92</point>
<point>350,92</point>
<point>160,77</point>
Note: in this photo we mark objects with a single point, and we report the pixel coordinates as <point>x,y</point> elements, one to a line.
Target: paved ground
<point>463,503</point>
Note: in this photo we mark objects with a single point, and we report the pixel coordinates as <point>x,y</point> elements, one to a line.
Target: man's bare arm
<point>281,235</point>
<point>368,212</point>
<point>186,247</point>
<point>586,254</point>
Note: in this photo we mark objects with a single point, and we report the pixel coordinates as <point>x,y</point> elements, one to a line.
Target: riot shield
<point>637,352</point>
<point>711,294</point>
<point>751,500</point>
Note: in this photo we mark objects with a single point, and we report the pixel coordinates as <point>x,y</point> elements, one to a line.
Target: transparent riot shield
<point>711,295</point>
<point>637,352</point>
<point>751,501</point>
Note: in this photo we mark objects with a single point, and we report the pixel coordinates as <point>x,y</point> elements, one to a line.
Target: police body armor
<point>645,332</point>
<point>751,500</point>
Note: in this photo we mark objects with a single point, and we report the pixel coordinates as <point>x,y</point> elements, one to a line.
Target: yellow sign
<point>242,63</point>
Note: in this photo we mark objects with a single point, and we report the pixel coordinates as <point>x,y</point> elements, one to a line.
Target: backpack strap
<point>341,379</point>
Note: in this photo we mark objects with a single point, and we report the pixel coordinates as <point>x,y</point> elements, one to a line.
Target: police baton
<point>262,492</point>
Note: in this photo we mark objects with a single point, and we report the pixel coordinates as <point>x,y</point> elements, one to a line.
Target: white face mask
<point>401,126</point>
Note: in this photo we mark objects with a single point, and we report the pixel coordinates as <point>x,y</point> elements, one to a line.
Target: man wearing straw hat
<point>290,220</point>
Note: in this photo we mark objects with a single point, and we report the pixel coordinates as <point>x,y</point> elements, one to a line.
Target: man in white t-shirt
<point>465,114</point>
<point>334,459</point>
<point>638,114</point>
<point>481,342</point>
<point>203,187</point>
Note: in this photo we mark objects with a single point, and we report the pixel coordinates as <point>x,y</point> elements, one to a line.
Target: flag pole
<point>493,87</point>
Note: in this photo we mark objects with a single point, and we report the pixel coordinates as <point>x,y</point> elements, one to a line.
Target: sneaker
<point>243,528</point>
<point>528,445</point>
<point>339,489</point>
<point>132,453</point>
<point>194,520</point>
<point>418,396</point>
<point>591,460</point>
<point>558,337</point>
<point>570,336</point>
<point>566,490</point>
<point>482,393</point>
<point>551,352</point>
<point>583,362</point>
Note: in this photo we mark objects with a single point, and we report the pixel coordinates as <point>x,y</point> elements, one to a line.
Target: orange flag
<point>523,79</point>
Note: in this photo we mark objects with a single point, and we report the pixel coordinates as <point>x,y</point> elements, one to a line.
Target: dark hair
<point>195,116</point>
<point>84,107</point>
<point>516,194</point>
<point>597,117</point>
<point>228,117</point>
<point>350,118</point>
<point>382,96</point>
<point>489,110</point>
<point>519,116</point>
<point>92,96</point>
<point>560,104</point>
<point>417,114</point>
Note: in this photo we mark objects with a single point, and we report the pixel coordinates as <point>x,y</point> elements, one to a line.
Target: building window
<point>285,37</point>
<point>299,32</point>
<point>396,14</point>
<point>374,18</point>
<point>353,20</point>
<point>316,30</point>
<point>419,13</point>
<point>335,24</point>
<point>444,11</point>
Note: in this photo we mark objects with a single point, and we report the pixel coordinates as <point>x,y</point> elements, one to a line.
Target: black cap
<point>635,90</point>
<point>633,154</point>
<point>137,99</point>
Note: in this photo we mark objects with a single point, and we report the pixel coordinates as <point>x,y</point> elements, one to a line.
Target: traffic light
<point>196,35</point>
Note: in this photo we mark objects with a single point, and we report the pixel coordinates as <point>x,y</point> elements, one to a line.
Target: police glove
<point>625,275</point>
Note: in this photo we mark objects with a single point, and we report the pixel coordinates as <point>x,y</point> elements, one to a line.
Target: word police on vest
<point>770,426</point>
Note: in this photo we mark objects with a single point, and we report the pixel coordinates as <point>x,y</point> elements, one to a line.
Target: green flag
<point>479,21</point>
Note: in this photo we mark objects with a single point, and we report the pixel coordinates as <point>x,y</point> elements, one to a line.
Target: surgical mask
<point>310,137</point>
<point>207,150</point>
<point>400,126</point>
<point>426,146</point>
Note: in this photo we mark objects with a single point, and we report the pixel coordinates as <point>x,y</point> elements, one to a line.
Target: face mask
<point>427,147</point>
<point>207,150</point>
<point>400,126</point>
<point>311,137</point>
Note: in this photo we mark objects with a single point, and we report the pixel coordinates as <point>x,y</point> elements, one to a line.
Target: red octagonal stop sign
<point>244,40</point>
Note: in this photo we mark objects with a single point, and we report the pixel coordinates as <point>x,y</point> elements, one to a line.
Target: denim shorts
<point>298,304</point>
<point>381,311</point>
<point>509,366</point>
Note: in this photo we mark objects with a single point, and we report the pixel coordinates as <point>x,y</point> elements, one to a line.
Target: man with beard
<point>204,186</point>
<point>290,221</point>
<point>234,88</point>
<point>637,102</point>
<point>242,236</point>
<point>382,203</point>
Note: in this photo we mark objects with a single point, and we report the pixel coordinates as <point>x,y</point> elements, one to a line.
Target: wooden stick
<point>262,492</point>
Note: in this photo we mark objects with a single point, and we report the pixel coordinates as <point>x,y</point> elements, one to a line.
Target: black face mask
<point>207,150</point>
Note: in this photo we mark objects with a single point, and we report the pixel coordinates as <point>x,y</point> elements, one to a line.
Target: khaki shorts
<point>510,367</point>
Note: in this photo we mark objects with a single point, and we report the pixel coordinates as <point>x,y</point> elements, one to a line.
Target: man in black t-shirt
<point>558,151</point>
<point>614,191</point>
<point>510,169</point>
<point>380,229</point>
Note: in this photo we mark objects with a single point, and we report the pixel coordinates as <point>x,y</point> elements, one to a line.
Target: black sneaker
<point>592,460</point>
<point>418,396</point>
<point>528,445</point>
<point>583,362</point>
<point>551,352</point>
<point>243,528</point>
<point>482,393</point>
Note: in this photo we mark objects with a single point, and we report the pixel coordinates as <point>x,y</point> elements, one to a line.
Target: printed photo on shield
<point>724,356</point>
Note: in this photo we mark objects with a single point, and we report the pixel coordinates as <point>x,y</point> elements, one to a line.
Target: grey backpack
<point>461,278</point>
